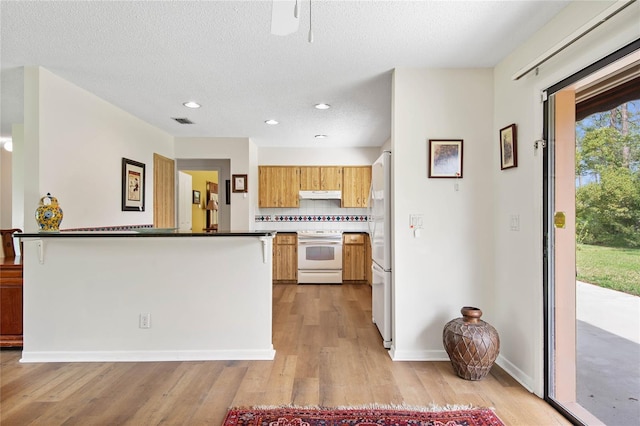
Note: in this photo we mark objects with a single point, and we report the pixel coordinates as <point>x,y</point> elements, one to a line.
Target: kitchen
<point>325,216</point>
<point>312,207</point>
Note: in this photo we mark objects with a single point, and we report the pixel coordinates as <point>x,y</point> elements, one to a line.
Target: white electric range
<point>319,257</point>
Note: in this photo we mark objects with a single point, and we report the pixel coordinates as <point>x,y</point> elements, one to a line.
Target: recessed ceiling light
<point>320,136</point>
<point>191,104</point>
<point>8,144</point>
<point>271,122</point>
<point>322,106</point>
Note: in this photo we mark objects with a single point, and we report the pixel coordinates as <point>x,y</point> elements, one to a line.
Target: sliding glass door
<point>585,350</point>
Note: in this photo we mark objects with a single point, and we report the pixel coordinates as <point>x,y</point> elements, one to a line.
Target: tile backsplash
<point>313,214</point>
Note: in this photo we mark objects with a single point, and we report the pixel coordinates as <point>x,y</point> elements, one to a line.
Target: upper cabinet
<point>278,186</point>
<point>356,184</point>
<point>315,178</point>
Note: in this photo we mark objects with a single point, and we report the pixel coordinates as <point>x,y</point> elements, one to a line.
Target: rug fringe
<point>432,408</point>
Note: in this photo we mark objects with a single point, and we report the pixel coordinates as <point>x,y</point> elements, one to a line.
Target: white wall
<point>518,297</point>
<point>74,145</point>
<point>5,189</point>
<point>242,156</point>
<point>451,265</point>
<point>17,177</point>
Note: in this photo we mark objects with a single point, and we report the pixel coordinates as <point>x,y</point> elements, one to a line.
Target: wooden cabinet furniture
<point>11,302</point>
<point>317,178</point>
<point>278,186</point>
<point>355,187</point>
<point>10,291</point>
<point>285,257</point>
<point>356,259</point>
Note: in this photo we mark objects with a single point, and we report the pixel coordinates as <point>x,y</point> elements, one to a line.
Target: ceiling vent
<point>182,120</point>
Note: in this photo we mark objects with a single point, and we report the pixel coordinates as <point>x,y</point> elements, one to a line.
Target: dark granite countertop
<point>144,233</point>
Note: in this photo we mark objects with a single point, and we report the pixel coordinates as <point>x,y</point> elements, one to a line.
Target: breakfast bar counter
<point>147,295</point>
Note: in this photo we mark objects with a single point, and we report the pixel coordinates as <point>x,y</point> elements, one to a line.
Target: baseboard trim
<point>519,375</point>
<point>425,355</point>
<point>150,356</point>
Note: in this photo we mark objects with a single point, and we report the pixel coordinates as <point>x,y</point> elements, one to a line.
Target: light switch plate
<point>415,221</point>
<point>514,222</point>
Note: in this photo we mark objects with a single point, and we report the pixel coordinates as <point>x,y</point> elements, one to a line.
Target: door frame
<point>573,412</point>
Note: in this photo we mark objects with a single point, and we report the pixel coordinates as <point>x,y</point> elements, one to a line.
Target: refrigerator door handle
<point>377,270</point>
<point>371,223</point>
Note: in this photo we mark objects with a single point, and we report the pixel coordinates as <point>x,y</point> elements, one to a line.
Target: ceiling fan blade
<point>283,21</point>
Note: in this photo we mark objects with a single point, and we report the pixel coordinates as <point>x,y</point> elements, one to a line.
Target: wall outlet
<point>145,320</point>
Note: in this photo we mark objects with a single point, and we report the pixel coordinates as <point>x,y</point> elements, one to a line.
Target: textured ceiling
<point>149,57</point>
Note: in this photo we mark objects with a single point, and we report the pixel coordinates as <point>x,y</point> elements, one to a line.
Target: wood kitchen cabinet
<point>356,184</point>
<point>356,259</point>
<point>10,302</point>
<point>285,257</point>
<point>317,178</point>
<point>278,186</point>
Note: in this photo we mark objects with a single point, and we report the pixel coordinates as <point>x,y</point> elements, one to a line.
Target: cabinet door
<point>285,258</point>
<point>353,257</point>
<point>10,306</point>
<point>355,187</point>
<point>290,187</point>
<point>289,262</point>
<point>309,178</point>
<point>316,178</point>
<point>330,178</point>
<point>267,197</point>
<point>275,261</point>
<point>278,186</point>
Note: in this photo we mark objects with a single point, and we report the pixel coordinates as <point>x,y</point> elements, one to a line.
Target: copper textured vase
<point>49,214</point>
<point>471,343</point>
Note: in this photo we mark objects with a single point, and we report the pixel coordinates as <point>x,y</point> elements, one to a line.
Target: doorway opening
<point>210,178</point>
<point>592,375</point>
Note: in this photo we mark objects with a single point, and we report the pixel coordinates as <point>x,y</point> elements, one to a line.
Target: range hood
<point>320,195</point>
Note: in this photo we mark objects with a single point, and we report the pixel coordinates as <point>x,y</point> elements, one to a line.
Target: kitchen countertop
<point>143,233</point>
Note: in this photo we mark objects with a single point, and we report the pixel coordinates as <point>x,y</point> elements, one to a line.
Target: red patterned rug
<point>291,416</point>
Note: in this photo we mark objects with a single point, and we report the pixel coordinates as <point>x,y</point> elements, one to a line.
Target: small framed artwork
<point>239,183</point>
<point>196,197</point>
<point>508,147</point>
<point>132,185</point>
<point>445,158</point>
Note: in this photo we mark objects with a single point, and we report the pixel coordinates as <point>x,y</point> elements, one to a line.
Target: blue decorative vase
<point>49,214</point>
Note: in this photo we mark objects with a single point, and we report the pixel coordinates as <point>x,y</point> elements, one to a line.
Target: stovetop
<point>318,233</point>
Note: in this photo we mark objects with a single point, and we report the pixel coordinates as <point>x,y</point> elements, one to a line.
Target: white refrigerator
<point>380,237</point>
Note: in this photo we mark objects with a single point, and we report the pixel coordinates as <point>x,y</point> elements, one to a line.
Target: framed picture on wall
<point>508,147</point>
<point>445,158</point>
<point>133,181</point>
<point>196,197</point>
<point>239,183</point>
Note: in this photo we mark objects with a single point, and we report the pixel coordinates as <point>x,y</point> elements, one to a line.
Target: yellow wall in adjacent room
<point>199,183</point>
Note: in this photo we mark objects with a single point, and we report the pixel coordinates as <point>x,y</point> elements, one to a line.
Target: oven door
<point>319,261</point>
<point>319,255</point>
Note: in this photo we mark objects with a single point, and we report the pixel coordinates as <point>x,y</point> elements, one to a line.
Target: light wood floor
<point>328,353</point>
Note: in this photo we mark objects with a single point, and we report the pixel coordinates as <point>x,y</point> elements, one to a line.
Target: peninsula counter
<point>89,296</point>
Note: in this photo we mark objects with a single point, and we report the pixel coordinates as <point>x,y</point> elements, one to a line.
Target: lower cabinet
<point>285,257</point>
<point>10,303</point>
<point>356,258</point>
